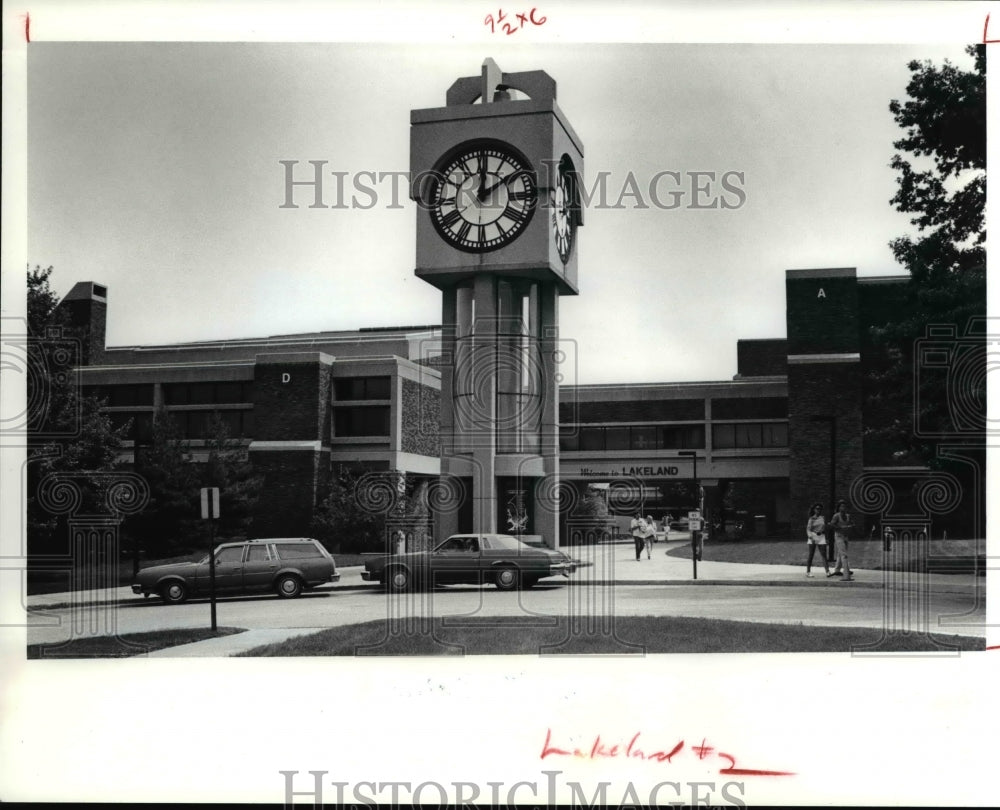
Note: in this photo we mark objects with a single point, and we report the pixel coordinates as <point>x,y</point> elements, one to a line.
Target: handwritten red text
<point>511,25</point>
<point>602,749</point>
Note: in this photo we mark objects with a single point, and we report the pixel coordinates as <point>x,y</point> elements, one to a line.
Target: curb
<point>733,583</point>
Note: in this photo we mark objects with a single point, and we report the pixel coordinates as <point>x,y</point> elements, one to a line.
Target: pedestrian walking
<point>816,538</point>
<point>841,524</point>
<point>650,537</point>
<point>638,535</point>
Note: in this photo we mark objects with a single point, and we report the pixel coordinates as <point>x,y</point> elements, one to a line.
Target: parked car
<point>286,565</point>
<point>469,558</point>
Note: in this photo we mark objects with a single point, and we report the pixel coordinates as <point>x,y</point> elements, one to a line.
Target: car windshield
<point>507,542</point>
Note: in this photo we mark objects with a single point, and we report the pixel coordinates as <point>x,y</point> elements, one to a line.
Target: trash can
<point>760,525</point>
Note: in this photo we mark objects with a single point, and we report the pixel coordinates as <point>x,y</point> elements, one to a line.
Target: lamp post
<point>694,475</point>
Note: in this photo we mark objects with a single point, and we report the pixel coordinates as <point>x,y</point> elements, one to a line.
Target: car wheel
<point>174,592</point>
<point>397,580</point>
<point>507,578</point>
<point>288,586</point>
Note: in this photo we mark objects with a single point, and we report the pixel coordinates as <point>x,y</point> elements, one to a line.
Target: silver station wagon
<point>286,565</point>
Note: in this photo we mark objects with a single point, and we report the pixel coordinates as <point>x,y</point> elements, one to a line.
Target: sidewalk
<point>615,563</point>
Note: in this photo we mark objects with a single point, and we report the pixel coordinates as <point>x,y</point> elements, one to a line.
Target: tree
<point>68,432</point>
<point>228,467</point>
<point>942,184</point>
<point>168,525</point>
<point>172,522</point>
<point>42,302</point>
<point>357,510</point>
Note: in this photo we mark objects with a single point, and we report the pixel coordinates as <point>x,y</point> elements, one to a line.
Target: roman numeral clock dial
<point>483,197</point>
<point>564,210</point>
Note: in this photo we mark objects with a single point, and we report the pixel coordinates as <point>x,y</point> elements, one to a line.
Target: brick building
<point>786,431</point>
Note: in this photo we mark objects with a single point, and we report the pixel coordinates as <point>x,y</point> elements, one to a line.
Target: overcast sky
<point>154,169</point>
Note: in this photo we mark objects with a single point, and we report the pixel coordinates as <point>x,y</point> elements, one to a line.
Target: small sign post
<point>694,526</point>
<point>210,512</point>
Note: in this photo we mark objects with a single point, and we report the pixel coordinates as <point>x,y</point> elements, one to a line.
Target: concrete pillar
<point>482,405</point>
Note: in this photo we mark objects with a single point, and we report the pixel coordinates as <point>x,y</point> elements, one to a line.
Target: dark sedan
<point>470,558</point>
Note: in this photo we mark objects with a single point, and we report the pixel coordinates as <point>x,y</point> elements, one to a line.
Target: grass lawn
<point>863,553</point>
<point>128,645</point>
<point>522,635</point>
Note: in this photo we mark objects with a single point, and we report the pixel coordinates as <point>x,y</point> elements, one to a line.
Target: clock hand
<point>501,182</point>
<point>482,176</point>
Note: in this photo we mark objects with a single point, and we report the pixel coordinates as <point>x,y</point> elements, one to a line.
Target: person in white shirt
<point>816,537</point>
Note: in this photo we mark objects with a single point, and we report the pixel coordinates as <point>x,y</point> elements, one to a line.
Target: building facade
<point>788,430</point>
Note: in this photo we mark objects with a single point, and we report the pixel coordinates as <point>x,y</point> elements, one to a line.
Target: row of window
<point>632,437</point>
<point>208,393</point>
<point>749,435</point>
<point>222,392</point>
<point>348,422</point>
<point>371,420</point>
<point>674,437</point>
<point>191,424</point>
<point>346,389</point>
<point>122,396</point>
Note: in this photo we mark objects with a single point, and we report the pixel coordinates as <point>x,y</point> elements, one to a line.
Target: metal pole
<point>211,568</point>
<point>695,535</point>
<point>833,483</point>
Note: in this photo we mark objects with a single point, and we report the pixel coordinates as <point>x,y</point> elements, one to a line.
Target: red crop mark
<point>986,29</point>
<point>732,770</point>
<point>27,27</point>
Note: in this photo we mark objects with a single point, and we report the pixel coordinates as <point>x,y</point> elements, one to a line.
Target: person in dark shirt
<point>841,524</point>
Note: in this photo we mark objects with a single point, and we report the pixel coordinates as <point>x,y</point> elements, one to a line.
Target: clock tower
<point>495,174</point>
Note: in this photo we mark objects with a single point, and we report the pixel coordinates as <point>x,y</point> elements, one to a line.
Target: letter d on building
<point>285,378</point>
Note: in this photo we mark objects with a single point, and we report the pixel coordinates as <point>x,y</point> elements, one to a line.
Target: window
<point>346,389</point>
<point>644,438</point>
<point>616,438</point>
<point>632,437</point>
<point>208,393</point>
<point>460,544</point>
<point>122,396</point>
<point>197,424</point>
<point>258,553</point>
<point>750,408</point>
<point>232,554</point>
<point>296,551</point>
<point>591,438</point>
<point>775,434</point>
<point>723,436</point>
<point>201,393</point>
<point>569,439</point>
<point>682,437</point>
<point>748,435</point>
<point>361,421</point>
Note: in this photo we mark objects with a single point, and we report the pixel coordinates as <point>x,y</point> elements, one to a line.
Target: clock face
<point>563,212</point>
<point>483,198</point>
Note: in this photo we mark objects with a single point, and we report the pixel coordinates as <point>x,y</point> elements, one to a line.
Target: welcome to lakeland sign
<point>638,471</point>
